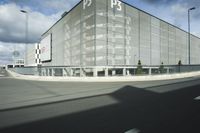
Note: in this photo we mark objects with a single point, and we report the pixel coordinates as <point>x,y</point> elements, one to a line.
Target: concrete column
<point>67,71</point>
<point>64,72</point>
<point>106,72</point>
<point>150,71</point>
<point>124,71</point>
<point>167,70</point>
<point>95,72</point>
<point>71,71</point>
<point>52,72</point>
<point>128,72</point>
<point>82,73</point>
<point>113,72</point>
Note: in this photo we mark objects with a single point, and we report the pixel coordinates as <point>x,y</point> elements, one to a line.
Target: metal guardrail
<point>25,70</point>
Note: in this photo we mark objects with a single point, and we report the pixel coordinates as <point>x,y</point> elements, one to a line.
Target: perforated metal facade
<point>112,33</point>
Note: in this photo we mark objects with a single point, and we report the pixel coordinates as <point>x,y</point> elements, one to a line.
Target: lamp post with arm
<point>26,36</point>
<point>193,8</point>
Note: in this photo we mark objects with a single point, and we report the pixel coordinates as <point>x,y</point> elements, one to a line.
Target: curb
<point>106,79</point>
<point>82,94</point>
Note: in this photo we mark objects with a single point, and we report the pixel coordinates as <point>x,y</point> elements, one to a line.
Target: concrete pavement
<point>15,93</point>
<point>140,106</point>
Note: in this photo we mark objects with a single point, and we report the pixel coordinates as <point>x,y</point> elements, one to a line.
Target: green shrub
<point>139,68</point>
<point>161,68</point>
<point>179,63</point>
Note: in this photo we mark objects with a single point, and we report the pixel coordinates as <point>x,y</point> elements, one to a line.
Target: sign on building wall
<point>117,4</point>
<point>86,3</point>
<point>114,4</point>
<point>45,46</point>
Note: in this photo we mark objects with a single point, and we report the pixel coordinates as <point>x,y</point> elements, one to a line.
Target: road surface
<point>139,107</point>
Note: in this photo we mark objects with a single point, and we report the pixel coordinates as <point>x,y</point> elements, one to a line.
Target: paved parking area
<point>16,93</point>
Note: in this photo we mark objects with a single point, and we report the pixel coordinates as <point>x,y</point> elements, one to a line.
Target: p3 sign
<point>86,3</point>
<point>117,4</point>
<point>114,3</point>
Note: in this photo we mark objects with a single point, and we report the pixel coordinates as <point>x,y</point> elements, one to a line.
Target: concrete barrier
<point>106,79</point>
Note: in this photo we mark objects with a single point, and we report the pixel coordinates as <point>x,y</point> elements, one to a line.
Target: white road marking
<point>133,131</point>
<point>197,98</point>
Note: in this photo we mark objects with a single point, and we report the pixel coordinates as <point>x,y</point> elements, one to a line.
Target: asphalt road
<point>142,107</point>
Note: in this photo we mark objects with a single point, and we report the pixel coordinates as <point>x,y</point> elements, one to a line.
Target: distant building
<point>18,63</point>
<point>2,67</point>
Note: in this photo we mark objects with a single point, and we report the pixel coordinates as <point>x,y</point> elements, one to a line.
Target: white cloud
<point>47,6</point>
<point>179,9</point>
<point>6,50</point>
<point>12,23</point>
<point>173,11</point>
<point>61,5</point>
<point>179,13</point>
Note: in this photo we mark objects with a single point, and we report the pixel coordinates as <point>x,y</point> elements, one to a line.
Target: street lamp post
<point>193,8</point>
<point>26,35</point>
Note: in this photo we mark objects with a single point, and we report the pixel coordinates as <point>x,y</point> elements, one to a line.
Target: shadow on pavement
<point>146,111</point>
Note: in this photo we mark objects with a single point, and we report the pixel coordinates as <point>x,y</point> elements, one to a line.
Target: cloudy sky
<point>44,13</point>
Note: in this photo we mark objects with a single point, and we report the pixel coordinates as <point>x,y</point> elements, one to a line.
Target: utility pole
<point>193,8</point>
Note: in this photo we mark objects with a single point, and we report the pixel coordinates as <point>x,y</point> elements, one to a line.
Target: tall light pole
<point>26,35</point>
<point>193,8</point>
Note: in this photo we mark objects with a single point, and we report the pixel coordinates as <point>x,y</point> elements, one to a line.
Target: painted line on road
<point>197,98</point>
<point>133,131</point>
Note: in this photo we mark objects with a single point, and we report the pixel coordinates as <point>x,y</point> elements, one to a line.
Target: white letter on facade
<point>119,5</point>
<point>86,3</point>
<point>116,3</point>
<point>113,3</point>
<point>89,2</point>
